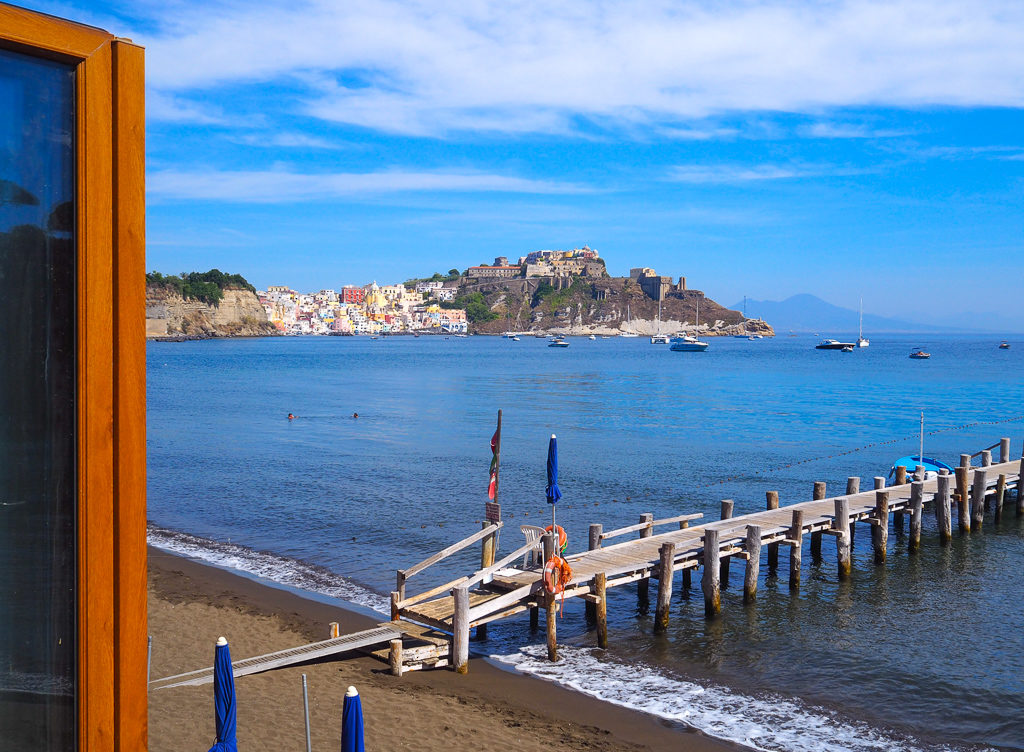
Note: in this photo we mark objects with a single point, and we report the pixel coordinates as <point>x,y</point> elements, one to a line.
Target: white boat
<point>628,332</point>
<point>592,337</point>
<point>919,354</point>
<point>861,340</point>
<point>514,338</point>
<point>689,343</point>
<point>659,338</point>
<point>558,342</point>
<point>833,344</point>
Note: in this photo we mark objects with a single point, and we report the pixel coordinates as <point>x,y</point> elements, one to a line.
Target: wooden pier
<point>432,629</point>
<point>502,590</point>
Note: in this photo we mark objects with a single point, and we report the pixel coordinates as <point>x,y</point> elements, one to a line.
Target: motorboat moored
<point>833,344</point>
<point>919,354</point>
<point>660,339</point>
<point>558,342</point>
<point>687,344</point>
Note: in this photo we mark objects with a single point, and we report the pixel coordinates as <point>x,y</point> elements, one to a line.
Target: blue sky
<point>845,149</point>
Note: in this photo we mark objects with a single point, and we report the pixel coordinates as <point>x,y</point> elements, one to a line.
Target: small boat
<point>848,348</point>
<point>592,337</point>
<point>687,344</point>
<point>629,323</point>
<point>931,466</point>
<point>1004,345</point>
<point>514,338</point>
<point>540,335</point>
<point>862,341</point>
<point>605,336</point>
<point>558,342</point>
<point>832,344</point>
<point>919,354</point>
<point>660,339</point>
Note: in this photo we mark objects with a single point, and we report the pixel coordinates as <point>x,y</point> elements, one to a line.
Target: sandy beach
<point>191,604</point>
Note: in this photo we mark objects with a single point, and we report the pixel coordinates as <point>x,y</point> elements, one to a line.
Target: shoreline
<point>192,603</point>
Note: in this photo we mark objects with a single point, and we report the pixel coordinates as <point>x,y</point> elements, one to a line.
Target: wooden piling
<point>460,630</point>
<point>962,515</point>
<point>1020,488</point>
<point>595,542</point>
<point>534,618</point>
<point>395,657</point>
<point>819,495</point>
<point>1000,492</point>
<point>965,460</point>
<point>986,458</point>
<point>880,526</point>
<point>709,582</point>
<point>487,549</point>
<point>665,576</point>
<point>683,524</point>
<point>1004,450</point>
<point>879,482</point>
<point>753,563</point>
<point>978,498</point>
<point>727,507</point>
<point>841,524</point>
<point>395,598</point>
<point>600,590</point>
<point>796,551</point>
<point>773,548</point>
<point>944,512</point>
<point>552,628</point>
<point>897,517</point>
<point>643,584</point>
<point>917,509</point>
<point>852,487</point>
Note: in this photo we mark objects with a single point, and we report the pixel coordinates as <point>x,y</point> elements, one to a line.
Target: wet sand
<point>191,604</point>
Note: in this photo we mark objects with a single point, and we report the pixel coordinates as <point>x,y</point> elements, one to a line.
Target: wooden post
<point>901,476</point>
<point>665,577</point>
<point>1004,450</point>
<point>897,517</point>
<point>727,507</point>
<point>986,458</point>
<point>944,512</point>
<point>487,554</point>
<point>753,562</point>
<point>460,630</point>
<point>917,507</point>
<point>819,495</point>
<point>595,543</point>
<point>978,498</point>
<point>1020,488</point>
<point>852,487</point>
<point>394,605</point>
<point>686,572</point>
<point>395,657</point>
<point>550,608</point>
<point>334,629</point>
<point>643,584</point>
<point>600,590</point>
<point>1000,492</point>
<point>709,582</point>
<point>879,482</point>
<point>841,524</point>
<point>400,584</point>
<point>773,548</point>
<point>965,460</point>
<point>796,551</point>
<point>880,526</point>
<point>534,618</point>
<point>963,518</point>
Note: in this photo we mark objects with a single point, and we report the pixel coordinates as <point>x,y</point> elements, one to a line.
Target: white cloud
<point>164,107</point>
<point>437,66</point>
<point>739,173</point>
<point>282,186</point>
<point>849,130</point>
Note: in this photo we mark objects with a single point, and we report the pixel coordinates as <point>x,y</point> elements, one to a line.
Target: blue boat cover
<point>911,462</point>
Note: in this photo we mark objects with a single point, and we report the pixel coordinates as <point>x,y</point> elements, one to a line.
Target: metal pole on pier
<point>305,707</point>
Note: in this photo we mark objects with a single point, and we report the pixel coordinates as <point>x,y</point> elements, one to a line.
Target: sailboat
<point>861,341</point>
<point>689,343</point>
<point>628,331</point>
<point>743,334</point>
<point>659,338</point>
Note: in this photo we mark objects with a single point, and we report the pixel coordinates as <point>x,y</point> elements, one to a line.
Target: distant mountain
<point>808,313</point>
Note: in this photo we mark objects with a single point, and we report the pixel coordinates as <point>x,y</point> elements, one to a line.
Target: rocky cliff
<point>239,314</point>
<point>610,305</point>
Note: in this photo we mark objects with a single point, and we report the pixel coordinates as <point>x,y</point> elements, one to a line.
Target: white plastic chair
<point>532,533</point>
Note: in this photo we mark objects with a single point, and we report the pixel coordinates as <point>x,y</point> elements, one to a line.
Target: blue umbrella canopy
<point>553,492</point>
<point>352,722</point>
<point>225,711</point>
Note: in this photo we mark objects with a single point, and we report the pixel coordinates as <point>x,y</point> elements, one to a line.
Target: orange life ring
<point>563,539</point>
<point>557,574</point>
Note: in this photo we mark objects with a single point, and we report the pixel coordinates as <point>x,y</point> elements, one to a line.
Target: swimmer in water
<point>355,415</point>
<point>291,417</point>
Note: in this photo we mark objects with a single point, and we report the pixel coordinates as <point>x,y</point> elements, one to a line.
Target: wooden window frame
<point>111,370</point>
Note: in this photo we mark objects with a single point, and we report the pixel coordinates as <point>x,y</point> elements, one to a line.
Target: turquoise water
<point>925,652</point>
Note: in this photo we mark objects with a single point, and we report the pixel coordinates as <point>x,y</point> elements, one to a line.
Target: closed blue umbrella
<point>225,710</point>
<point>352,722</point>
<point>553,492</point>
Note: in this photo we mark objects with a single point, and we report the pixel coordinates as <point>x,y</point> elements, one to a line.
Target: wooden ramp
<point>303,653</point>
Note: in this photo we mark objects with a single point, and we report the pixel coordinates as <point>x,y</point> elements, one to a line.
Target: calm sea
<point>924,653</point>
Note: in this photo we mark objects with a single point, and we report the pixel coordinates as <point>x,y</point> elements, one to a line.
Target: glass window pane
<point>37,405</point>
